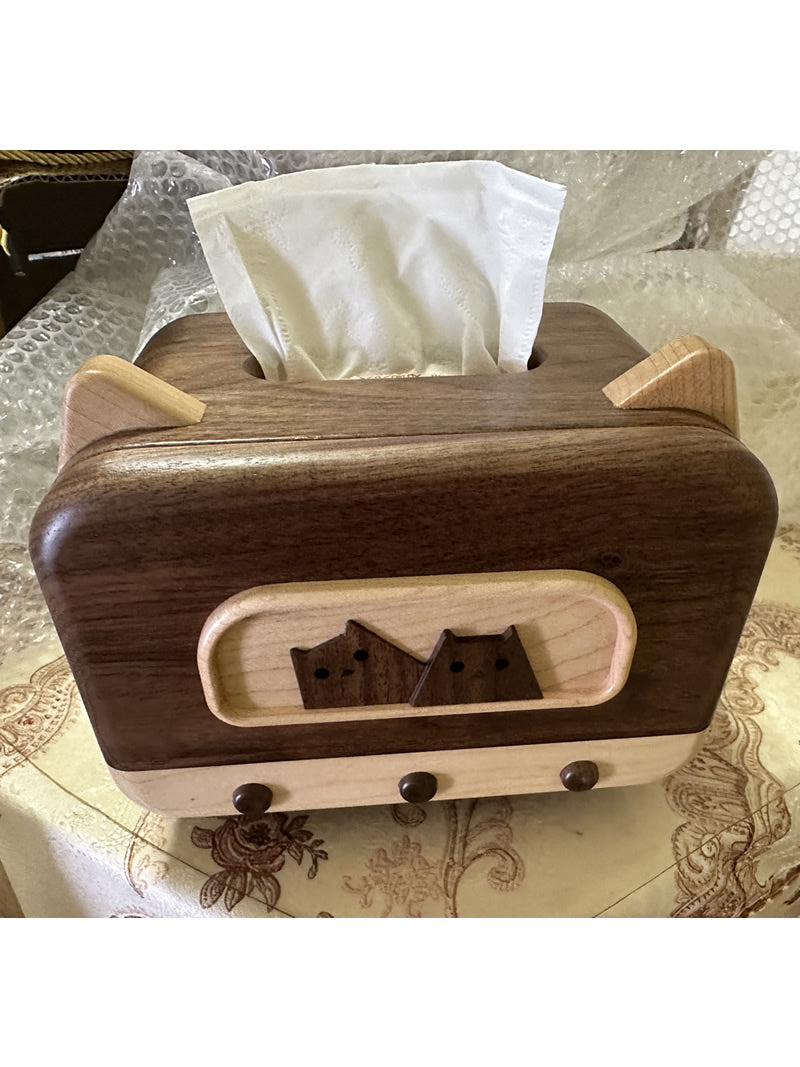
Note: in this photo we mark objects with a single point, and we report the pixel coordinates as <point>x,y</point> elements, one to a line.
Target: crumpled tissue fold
<point>383,270</point>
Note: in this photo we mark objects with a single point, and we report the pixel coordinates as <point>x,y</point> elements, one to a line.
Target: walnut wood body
<point>144,534</point>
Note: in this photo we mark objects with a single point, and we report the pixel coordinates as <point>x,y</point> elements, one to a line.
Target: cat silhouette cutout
<point>357,668</point>
<point>486,669</point>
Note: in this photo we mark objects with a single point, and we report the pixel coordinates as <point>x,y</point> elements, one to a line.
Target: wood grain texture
<point>108,395</point>
<point>636,507</point>
<point>582,349</point>
<point>143,535</point>
<point>351,782</point>
<point>688,373</point>
<point>577,630</point>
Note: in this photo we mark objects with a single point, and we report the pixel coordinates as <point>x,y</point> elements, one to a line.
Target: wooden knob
<point>418,787</point>
<point>580,775</point>
<point>252,798</point>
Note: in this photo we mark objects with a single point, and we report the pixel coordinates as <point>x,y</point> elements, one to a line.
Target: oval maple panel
<point>577,630</point>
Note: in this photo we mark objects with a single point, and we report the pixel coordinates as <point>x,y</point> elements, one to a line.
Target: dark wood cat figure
<point>473,670</point>
<point>355,669</point>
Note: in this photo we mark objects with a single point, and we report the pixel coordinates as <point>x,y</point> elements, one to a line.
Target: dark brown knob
<point>417,787</point>
<point>252,799</point>
<point>580,775</point>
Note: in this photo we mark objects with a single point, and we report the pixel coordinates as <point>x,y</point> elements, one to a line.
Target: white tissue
<point>379,270</point>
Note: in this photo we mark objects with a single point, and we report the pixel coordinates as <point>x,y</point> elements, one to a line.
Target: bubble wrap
<point>659,298</point>
<point>768,217</point>
<point>665,242</point>
<point>616,201</point>
<point>143,269</point>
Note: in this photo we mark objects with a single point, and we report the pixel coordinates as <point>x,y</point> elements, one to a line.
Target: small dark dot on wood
<point>609,560</point>
<point>321,672</point>
<point>580,776</point>
<point>253,798</point>
<point>456,666</point>
<point>361,654</point>
<point>500,664</point>
<point>417,787</point>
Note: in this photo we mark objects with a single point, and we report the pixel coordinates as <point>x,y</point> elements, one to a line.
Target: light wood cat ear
<point>688,373</point>
<point>109,394</point>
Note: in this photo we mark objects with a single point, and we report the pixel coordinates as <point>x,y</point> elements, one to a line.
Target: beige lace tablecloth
<point>721,837</point>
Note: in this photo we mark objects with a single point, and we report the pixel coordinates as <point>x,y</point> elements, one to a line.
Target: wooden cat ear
<point>688,373</point>
<point>109,394</point>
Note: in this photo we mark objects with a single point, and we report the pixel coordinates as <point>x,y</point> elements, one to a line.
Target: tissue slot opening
<point>537,357</point>
<point>252,367</point>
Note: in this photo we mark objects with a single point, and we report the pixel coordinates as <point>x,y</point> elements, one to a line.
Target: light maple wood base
<point>363,780</point>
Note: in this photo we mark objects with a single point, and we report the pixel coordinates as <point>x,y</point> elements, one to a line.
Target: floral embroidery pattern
<point>733,807</point>
<point>32,714</point>
<point>789,538</point>
<point>251,850</point>
<point>471,839</point>
<point>402,876</point>
<point>475,830</point>
<point>409,814</point>
<point>142,868</point>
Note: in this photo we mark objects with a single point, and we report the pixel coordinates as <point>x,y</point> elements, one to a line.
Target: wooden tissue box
<point>335,593</point>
